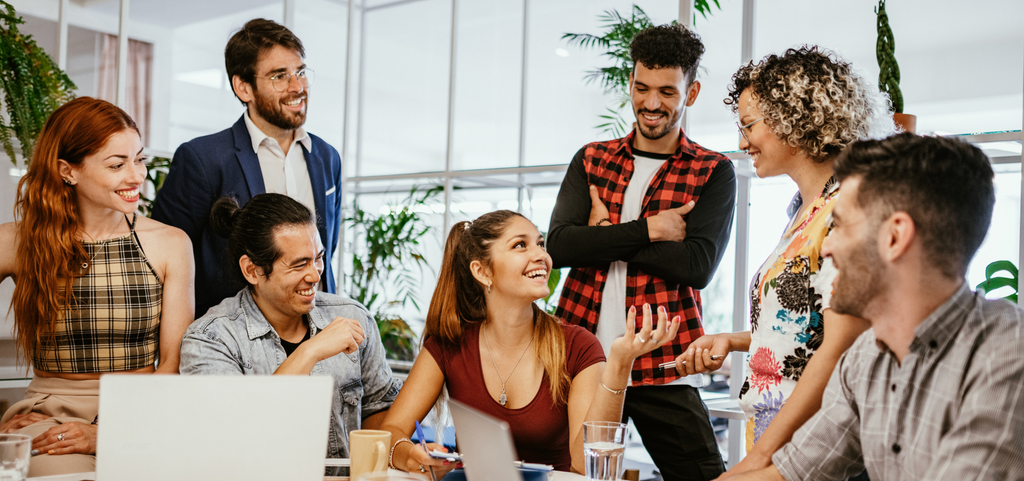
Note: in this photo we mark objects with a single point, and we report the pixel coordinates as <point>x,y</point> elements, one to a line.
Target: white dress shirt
<point>283,174</point>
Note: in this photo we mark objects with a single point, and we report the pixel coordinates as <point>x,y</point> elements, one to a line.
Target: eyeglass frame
<point>308,75</point>
<point>743,128</point>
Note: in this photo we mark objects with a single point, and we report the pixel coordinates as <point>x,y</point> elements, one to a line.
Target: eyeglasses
<point>281,81</point>
<point>745,128</point>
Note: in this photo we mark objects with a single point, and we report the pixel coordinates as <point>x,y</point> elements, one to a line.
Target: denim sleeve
<point>205,353</point>
<point>379,387</point>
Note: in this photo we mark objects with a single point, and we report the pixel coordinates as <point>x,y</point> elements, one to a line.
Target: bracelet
<point>391,455</point>
<point>602,220</point>
<point>613,391</point>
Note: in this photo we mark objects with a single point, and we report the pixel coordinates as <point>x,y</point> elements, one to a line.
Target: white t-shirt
<point>283,174</point>
<point>611,322</point>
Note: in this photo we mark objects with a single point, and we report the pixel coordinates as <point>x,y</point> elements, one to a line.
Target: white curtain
<point>140,80</point>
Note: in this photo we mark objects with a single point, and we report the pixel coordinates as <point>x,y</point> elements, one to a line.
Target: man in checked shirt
<point>645,220</point>
<point>935,389</point>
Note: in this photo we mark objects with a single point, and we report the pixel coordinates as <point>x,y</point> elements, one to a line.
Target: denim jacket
<point>234,338</point>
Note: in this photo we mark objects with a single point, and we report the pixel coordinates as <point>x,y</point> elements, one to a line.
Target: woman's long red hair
<point>49,254</point>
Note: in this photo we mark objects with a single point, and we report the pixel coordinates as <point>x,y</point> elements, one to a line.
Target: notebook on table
<point>252,428</point>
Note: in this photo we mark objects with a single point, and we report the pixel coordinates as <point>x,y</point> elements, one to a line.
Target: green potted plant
<point>889,70</point>
<point>1008,277</point>
<point>156,172</point>
<point>387,264</point>
<point>32,84</point>
<point>614,79</point>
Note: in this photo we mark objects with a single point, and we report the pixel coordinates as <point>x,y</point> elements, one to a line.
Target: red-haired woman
<point>98,289</point>
<point>494,349</point>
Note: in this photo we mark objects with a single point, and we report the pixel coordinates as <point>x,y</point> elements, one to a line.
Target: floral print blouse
<point>787,297</point>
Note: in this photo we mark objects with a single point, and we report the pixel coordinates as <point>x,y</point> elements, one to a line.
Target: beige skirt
<point>65,401</point>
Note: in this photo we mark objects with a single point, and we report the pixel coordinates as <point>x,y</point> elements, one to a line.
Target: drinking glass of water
<point>14,455</point>
<point>604,449</point>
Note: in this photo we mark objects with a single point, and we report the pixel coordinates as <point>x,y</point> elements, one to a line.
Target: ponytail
<point>459,298</point>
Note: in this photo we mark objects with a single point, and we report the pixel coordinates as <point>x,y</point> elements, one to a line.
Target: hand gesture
<point>418,461</point>
<point>669,224</point>
<point>21,420</point>
<point>68,438</point>
<point>598,211</point>
<point>630,346</point>
<point>340,336</point>
<point>705,354</point>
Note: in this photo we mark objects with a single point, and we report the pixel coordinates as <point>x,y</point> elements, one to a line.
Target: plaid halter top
<point>113,319</point>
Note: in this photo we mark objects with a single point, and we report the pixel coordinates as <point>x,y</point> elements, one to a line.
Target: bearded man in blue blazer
<point>267,150</point>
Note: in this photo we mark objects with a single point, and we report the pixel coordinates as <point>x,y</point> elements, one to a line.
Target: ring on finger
<point>642,340</point>
<point>60,437</point>
<point>422,469</point>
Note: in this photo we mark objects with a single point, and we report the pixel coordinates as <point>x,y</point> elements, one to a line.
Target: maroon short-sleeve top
<point>540,429</point>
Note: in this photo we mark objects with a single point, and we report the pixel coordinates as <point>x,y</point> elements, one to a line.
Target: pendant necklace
<point>502,399</point>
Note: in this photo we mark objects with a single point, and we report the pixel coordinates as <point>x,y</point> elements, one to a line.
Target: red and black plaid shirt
<point>609,166</point>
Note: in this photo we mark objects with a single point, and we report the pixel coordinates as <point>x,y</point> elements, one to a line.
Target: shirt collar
<point>625,146</point>
<point>256,324</point>
<point>943,323</point>
<point>257,136</point>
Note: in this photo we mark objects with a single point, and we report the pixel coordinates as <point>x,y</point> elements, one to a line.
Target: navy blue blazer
<point>224,164</point>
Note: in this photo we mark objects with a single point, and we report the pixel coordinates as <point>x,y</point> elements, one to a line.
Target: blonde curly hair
<point>813,100</point>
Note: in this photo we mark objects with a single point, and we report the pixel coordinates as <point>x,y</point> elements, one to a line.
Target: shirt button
<point>933,344</point>
<point>893,388</point>
<point>896,448</point>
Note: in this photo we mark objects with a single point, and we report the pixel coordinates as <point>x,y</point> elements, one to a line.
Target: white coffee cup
<point>368,450</point>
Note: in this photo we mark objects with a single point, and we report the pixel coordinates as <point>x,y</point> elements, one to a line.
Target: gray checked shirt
<point>234,338</point>
<point>954,409</point>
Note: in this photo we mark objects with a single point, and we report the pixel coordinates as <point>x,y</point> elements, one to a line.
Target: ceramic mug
<point>368,450</point>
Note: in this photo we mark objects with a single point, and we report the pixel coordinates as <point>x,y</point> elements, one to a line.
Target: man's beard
<point>647,132</point>
<point>860,280</point>
<point>270,109</point>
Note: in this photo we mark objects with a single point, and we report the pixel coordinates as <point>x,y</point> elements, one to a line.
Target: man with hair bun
<point>645,220</point>
<point>280,324</point>
<point>934,390</point>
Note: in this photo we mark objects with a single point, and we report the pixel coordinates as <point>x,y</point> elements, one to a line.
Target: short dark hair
<point>250,230</point>
<point>668,46</point>
<point>246,45</point>
<point>945,185</point>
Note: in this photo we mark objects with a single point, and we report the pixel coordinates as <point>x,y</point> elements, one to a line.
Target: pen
<point>673,363</point>
<point>423,443</point>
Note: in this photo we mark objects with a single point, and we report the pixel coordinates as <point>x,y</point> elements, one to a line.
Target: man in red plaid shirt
<point>645,219</point>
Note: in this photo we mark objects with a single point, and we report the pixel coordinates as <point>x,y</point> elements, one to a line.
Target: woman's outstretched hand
<point>634,344</point>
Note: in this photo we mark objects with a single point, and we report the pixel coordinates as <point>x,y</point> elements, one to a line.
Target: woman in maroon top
<point>494,349</point>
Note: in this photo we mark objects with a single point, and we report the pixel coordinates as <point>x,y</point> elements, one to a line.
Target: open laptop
<point>485,443</point>
<point>223,428</point>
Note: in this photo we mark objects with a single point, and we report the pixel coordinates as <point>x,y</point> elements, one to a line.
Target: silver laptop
<point>223,428</point>
<point>485,443</point>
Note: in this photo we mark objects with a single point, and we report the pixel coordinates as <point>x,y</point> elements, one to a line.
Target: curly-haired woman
<point>97,288</point>
<point>796,113</point>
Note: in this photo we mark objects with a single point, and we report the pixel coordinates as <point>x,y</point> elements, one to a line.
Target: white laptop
<point>223,428</point>
<point>485,443</point>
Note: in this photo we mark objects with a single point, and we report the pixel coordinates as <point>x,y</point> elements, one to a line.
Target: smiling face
<point>285,110</point>
<point>853,247</point>
<point>659,97</point>
<point>770,154</point>
<point>290,289</point>
<point>110,178</point>
<point>519,264</point>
